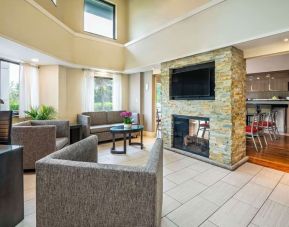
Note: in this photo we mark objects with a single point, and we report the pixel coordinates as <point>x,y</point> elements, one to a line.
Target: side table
<point>75,133</point>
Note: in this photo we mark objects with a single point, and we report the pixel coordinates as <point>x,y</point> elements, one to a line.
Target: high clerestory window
<point>99,18</point>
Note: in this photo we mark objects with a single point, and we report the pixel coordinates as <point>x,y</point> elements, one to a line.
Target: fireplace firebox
<point>191,134</point>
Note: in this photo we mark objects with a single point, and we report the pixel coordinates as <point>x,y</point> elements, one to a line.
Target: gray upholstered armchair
<point>40,138</point>
<point>72,189</point>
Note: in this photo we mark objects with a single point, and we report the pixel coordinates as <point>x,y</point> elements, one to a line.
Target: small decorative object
<point>41,113</point>
<point>1,101</point>
<point>127,120</point>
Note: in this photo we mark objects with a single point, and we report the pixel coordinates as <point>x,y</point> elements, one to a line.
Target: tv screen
<point>193,82</point>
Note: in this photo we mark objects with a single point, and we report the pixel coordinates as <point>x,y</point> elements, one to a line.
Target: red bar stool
<point>254,130</point>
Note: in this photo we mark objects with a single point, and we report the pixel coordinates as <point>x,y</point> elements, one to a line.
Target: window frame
<point>114,20</point>
<point>14,114</point>
<point>107,78</point>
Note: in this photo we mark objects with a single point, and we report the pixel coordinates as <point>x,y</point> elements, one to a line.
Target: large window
<point>102,94</point>
<point>99,18</point>
<point>9,86</point>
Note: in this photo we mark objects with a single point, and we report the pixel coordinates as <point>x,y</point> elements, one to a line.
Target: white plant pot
<point>127,125</point>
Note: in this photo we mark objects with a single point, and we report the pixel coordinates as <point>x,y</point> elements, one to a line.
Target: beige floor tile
<point>167,171</point>
<point>272,214</point>
<point>169,204</point>
<point>211,176</point>
<point>268,177</point>
<point>170,157</point>
<point>219,193</point>
<point>29,221</point>
<point>29,180</point>
<point>253,194</point>
<point>285,179</point>
<point>29,194</point>
<point>237,179</point>
<point>29,207</point>
<point>186,191</point>
<point>281,194</point>
<point>250,168</point>
<point>167,185</point>
<point>200,166</point>
<point>234,213</point>
<point>167,223</point>
<point>193,213</point>
<point>208,224</point>
<point>180,164</point>
<point>183,175</point>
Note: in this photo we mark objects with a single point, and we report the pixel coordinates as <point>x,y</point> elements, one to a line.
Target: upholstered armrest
<point>62,127</point>
<point>82,151</point>
<point>85,122</point>
<point>38,141</point>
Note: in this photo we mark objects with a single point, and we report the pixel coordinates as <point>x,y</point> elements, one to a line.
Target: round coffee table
<point>126,132</point>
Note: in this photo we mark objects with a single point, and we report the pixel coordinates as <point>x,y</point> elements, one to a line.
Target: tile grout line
<point>228,198</point>
<point>265,200</point>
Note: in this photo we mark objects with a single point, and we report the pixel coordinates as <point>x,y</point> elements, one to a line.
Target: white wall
<point>156,13</point>
<point>267,64</point>
<point>228,23</point>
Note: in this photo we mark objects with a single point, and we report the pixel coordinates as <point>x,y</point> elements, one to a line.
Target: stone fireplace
<point>191,134</point>
<point>224,142</point>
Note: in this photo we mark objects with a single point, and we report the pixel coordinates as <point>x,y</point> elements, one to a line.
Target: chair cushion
<point>97,118</point>
<point>61,142</point>
<point>249,128</point>
<point>99,128</point>
<point>114,117</point>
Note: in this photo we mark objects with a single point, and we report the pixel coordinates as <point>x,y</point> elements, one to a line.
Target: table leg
<point>113,141</point>
<point>124,143</point>
<point>141,139</point>
<point>129,138</point>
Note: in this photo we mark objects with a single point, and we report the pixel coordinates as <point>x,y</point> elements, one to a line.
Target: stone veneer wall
<point>226,112</point>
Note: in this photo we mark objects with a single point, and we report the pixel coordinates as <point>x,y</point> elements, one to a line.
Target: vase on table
<point>127,126</point>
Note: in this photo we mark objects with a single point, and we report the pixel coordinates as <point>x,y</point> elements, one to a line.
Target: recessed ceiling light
<point>34,59</point>
<point>286,40</point>
<point>268,75</point>
<point>258,78</point>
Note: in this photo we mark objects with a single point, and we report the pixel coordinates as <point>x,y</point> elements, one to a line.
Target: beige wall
<point>141,96</point>
<point>134,92</point>
<point>147,100</point>
<point>148,15</point>
<point>225,24</point>
<point>33,29</point>
<point>70,12</point>
<point>74,91</point>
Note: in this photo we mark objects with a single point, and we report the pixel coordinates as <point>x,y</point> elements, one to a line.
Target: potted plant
<point>127,119</point>
<point>41,113</point>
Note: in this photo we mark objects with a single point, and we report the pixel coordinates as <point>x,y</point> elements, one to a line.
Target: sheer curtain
<point>117,92</point>
<point>88,91</point>
<point>88,88</point>
<point>29,88</point>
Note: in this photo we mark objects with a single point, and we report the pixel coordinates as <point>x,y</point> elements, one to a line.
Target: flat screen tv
<point>195,82</point>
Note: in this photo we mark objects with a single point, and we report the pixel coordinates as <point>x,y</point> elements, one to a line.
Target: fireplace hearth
<point>191,134</point>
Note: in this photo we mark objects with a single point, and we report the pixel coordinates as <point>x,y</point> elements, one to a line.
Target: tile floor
<point>200,194</point>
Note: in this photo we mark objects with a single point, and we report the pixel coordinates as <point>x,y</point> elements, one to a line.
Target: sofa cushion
<point>61,142</point>
<point>99,128</point>
<point>114,117</point>
<point>97,118</point>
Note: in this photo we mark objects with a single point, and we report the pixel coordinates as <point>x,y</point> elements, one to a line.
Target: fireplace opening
<point>191,134</point>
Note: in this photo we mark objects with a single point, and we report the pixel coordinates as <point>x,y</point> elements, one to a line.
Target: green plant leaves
<point>41,113</point>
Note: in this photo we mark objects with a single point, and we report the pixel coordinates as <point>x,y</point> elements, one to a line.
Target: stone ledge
<point>210,161</point>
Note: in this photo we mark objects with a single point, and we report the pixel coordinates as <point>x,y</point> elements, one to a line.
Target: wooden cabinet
<point>260,85</point>
<point>279,84</point>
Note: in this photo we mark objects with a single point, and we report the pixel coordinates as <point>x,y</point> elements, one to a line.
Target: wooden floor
<point>275,155</point>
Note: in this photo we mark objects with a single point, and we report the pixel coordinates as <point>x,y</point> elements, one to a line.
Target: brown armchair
<point>39,139</point>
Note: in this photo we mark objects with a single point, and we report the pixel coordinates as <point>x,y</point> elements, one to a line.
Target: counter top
<point>269,101</point>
